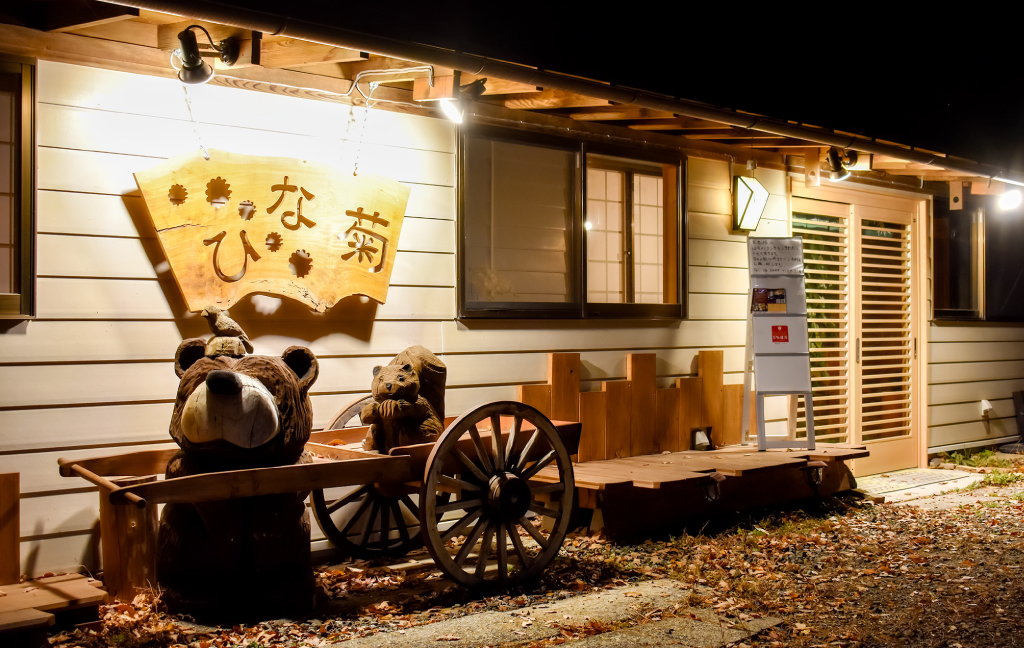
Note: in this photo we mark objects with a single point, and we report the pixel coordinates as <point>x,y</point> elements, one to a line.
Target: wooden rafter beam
<point>615,113</point>
<point>280,52</point>
<point>67,15</point>
<point>550,100</point>
<point>167,34</point>
<point>678,123</point>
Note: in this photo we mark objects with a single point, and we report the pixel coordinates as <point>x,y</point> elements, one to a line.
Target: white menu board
<point>777,341</point>
<point>776,256</point>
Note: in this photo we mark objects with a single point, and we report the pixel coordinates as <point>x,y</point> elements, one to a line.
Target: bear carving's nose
<point>388,385</point>
<point>225,383</point>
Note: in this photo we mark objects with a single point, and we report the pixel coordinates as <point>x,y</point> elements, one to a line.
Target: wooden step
<point>24,620</point>
<point>52,594</point>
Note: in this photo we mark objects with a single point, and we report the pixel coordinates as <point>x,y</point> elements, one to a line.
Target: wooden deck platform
<point>640,494</point>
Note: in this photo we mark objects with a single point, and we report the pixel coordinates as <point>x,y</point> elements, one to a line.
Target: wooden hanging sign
<point>235,225</point>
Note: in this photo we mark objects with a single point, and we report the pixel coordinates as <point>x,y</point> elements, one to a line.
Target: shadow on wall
<point>258,315</point>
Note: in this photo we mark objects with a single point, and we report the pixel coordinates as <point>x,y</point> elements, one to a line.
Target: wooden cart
<point>471,482</point>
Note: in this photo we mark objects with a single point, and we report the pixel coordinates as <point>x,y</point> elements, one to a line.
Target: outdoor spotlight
<point>839,164</point>
<point>193,68</point>
<point>751,199</point>
<point>1010,200</point>
<point>455,107</point>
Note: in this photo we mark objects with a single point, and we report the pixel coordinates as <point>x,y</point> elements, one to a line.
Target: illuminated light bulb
<point>452,110</point>
<point>1010,200</point>
<point>587,226</point>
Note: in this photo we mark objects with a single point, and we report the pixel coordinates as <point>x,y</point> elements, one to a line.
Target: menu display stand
<point>777,352</point>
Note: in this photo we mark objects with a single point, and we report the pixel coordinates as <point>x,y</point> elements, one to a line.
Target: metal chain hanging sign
<point>240,224</point>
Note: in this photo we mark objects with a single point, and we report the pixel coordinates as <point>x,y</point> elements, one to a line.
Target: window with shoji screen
<point>625,230</point>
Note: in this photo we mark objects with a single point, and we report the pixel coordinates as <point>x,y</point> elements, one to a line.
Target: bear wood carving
<point>408,401</point>
<point>247,557</point>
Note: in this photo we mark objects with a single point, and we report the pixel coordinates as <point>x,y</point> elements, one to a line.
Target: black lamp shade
<point>193,68</point>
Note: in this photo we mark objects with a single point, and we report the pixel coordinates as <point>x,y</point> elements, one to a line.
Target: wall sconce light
<point>1010,200</point>
<point>839,164</point>
<point>455,107</point>
<point>193,68</point>
<point>750,200</point>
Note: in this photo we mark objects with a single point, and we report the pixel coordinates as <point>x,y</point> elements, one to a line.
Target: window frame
<point>22,305</point>
<point>578,307</point>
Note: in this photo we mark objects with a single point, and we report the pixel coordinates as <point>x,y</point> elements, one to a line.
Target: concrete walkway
<point>626,608</point>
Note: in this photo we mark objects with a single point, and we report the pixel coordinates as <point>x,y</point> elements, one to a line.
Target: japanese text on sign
<point>775,256</point>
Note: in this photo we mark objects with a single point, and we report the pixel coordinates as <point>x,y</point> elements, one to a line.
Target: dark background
<point>944,77</point>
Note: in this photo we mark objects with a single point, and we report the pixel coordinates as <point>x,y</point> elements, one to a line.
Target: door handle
<point>858,350</point>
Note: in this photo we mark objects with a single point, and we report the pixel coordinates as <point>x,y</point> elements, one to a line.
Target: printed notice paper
<point>769,300</point>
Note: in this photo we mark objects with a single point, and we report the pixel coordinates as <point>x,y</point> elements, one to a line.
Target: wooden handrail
<point>106,484</point>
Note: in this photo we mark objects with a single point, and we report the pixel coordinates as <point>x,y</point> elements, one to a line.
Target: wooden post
<point>128,536</point>
<point>640,370</point>
<point>10,528</point>
<point>564,378</point>
<point>618,418</point>
<point>689,409</point>
<point>538,396</point>
<point>732,417</point>
<point>667,426</point>
<point>710,371</point>
<point>593,413</point>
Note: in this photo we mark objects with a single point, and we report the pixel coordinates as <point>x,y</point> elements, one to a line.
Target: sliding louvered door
<point>825,229</point>
<point>858,261</point>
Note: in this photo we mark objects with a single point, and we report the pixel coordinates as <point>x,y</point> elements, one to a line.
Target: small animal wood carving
<point>408,401</point>
<point>224,327</point>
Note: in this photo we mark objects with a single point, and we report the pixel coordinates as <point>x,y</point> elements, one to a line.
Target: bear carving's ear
<point>407,368</point>
<point>376,370</point>
<point>189,352</point>
<point>302,361</point>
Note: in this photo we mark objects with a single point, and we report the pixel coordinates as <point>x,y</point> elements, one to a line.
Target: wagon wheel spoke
<point>537,507</point>
<point>467,546</point>
<point>347,499</point>
<point>385,524</point>
<point>481,450</point>
<point>502,553</point>
<point>517,425</point>
<point>365,504</point>
<point>485,551</point>
<point>534,533</point>
<point>517,544</point>
<point>461,525</point>
<point>451,482</point>
<point>556,487</point>
<point>409,504</point>
<point>473,468</point>
<point>464,505</point>
<point>403,529</point>
<point>538,465</point>
<point>499,455</point>
<point>368,525</point>
<point>525,452</point>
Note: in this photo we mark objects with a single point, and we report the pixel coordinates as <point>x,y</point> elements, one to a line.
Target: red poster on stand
<point>780,334</point>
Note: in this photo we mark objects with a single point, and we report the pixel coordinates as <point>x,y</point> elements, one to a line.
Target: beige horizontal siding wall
<point>94,374</point>
<point>965,365</point>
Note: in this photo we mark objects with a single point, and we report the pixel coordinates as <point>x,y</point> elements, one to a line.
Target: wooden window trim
<point>22,304</point>
<point>578,307</point>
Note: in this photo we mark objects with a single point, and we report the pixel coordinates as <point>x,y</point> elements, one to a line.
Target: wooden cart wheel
<point>372,521</point>
<point>496,487</point>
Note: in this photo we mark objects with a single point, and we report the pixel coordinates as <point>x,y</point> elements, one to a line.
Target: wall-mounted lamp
<point>839,164</point>
<point>751,198</point>
<point>193,68</point>
<point>455,107</point>
<point>1010,200</point>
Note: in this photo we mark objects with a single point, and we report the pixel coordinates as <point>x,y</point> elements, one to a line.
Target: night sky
<point>948,79</point>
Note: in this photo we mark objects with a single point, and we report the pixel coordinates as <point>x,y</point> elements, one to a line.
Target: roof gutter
<point>279,25</point>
